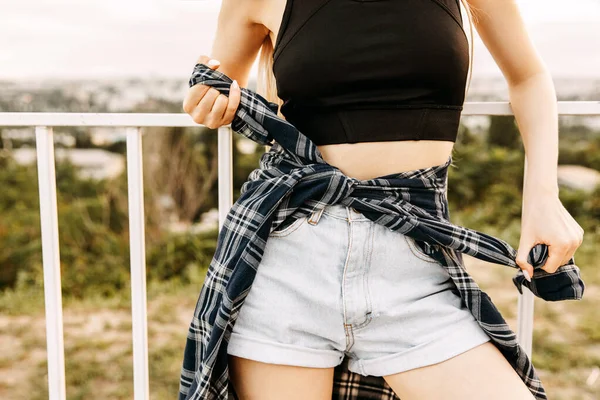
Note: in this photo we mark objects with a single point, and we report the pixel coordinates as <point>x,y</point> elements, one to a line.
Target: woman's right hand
<point>207,106</point>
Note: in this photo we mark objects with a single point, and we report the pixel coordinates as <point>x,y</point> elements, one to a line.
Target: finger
<point>235,94</point>
<point>579,234</point>
<point>567,257</point>
<point>215,118</point>
<point>193,97</point>
<point>205,106</point>
<point>575,243</point>
<point>575,239</point>
<point>555,258</point>
<point>522,254</point>
<point>210,62</point>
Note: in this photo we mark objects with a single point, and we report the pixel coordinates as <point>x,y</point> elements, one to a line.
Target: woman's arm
<point>237,41</point>
<point>238,37</point>
<point>533,102</point>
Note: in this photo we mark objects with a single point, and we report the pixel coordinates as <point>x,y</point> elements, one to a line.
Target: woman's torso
<point>367,160</point>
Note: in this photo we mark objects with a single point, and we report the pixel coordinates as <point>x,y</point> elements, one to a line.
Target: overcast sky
<point>110,38</point>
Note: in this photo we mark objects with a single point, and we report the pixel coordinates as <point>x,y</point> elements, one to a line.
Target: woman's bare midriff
<point>373,159</point>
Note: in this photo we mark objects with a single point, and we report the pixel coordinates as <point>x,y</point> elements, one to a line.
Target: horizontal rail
<point>135,120</point>
<point>564,108</point>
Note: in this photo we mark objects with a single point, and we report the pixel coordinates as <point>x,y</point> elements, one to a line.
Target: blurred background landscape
<point>57,58</point>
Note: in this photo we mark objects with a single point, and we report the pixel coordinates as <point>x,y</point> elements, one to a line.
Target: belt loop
<point>352,213</point>
<point>348,213</point>
<point>315,216</point>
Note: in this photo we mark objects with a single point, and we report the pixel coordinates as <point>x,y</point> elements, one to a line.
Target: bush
<point>94,236</point>
<point>175,255</point>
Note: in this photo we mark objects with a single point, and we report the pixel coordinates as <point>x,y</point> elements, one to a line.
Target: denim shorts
<point>335,285</point>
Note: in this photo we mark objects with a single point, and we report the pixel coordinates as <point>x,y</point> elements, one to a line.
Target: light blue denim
<point>335,284</point>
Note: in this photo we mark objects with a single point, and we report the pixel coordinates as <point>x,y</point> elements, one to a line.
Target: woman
<point>377,104</point>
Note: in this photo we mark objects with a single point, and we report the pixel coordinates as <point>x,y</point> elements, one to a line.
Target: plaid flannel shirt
<point>292,181</point>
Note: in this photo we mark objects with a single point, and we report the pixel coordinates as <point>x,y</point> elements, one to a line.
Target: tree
<point>181,163</point>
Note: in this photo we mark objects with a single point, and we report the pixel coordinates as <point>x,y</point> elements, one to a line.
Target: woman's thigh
<point>480,373</point>
<point>254,380</point>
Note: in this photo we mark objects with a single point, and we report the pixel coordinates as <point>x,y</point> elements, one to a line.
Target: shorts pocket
<point>417,251</point>
<point>292,227</point>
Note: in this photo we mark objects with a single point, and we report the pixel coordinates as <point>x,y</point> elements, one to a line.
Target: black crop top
<point>353,71</point>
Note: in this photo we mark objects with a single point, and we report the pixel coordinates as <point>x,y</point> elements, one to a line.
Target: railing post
<point>525,313</point>
<point>525,320</point>
<point>51,261</point>
<point>225,169</point>
<point>135,187</point>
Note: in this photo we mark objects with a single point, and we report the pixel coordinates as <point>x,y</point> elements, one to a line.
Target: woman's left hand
<point>545,220</point>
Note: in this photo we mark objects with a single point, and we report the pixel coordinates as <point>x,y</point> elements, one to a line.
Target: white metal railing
<point>44,122</point>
